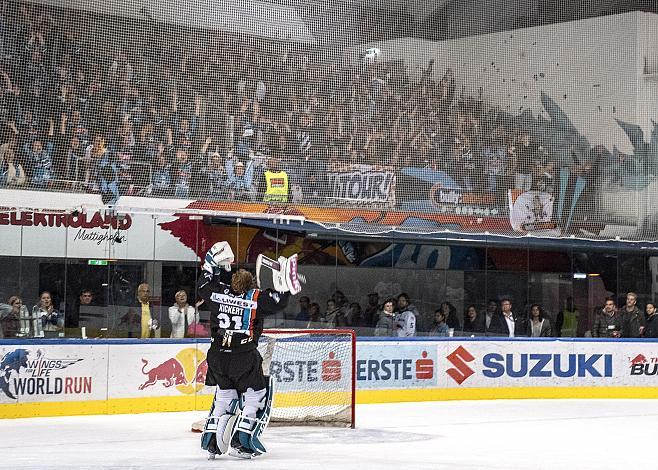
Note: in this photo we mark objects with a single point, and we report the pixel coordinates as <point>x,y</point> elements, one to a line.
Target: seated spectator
<point>405,317</point>
<point>386,325</point>
<point>439,326</point>
<point>182,315</point>
<point>473,321</point>
<point>608,322</point>
<point>52,322</point>
<point>651,328</point>
<point>142,320</point>
<point>539,326</point>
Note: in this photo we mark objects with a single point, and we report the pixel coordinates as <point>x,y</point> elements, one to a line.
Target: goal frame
<point>324,331</point>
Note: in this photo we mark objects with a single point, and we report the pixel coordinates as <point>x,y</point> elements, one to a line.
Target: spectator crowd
<point>125,107</point>
<point>392,317</point>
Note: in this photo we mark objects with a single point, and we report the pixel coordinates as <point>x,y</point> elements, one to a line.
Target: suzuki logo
<point>458,358</point>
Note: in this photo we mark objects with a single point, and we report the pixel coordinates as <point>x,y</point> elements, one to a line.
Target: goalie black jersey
<point>236,320</point>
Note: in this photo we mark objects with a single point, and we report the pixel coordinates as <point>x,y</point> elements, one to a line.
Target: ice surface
<point>504,434</point>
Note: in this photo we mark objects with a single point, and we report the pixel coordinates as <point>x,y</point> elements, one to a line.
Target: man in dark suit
<point>506,323</point>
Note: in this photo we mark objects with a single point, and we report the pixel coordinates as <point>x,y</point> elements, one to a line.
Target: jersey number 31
<point>229,323</point>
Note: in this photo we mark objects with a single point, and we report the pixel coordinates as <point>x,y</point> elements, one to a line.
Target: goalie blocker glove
<point>286,279</point>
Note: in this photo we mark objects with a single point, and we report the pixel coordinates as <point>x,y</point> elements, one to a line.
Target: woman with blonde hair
<point>182,315</point>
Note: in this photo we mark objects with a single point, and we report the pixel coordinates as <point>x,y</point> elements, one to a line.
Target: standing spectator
<point>82,305</point>
<point>143,318</point>
<point>632,318</point>
<point>343,305</point>
<point>651,329</point>
<point>276,182</point>
<point>314,319</point>
<point>504,324</point>
<point>182,174</point>
<point>539,326</point>
<point>490,313</point>
<point>356,316</point>
<point>216,177</point>
<point>450,312</point>
<point>239,181</point>
<point>11,172</point>
<point>371,313</point>
<point>40,160</point>
<point>608,322</point>
<point>52,322</point>
<point>182,315</point>
<point>473,321</point>
<point>439,327</point>
<point>334,316</point>
<point>303,314</point>
<point>10,318</point>
<point>405,317</point>
<point>386,323</point>
<point>161,179</point>
<point>566,323</point>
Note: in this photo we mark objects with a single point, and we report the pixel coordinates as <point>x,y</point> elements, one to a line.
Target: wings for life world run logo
<point>25,372</point>
<point>186,371</point>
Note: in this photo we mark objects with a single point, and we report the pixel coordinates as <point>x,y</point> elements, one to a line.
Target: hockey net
<point>314,375</point>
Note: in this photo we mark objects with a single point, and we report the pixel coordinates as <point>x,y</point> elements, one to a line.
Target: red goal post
<point>314,374</point>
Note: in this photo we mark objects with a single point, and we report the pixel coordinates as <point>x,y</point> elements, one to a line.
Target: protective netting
<point>391,114</point>
<point>313,375</point>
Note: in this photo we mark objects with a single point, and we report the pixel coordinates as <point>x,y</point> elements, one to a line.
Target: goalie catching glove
<point>220,255</point>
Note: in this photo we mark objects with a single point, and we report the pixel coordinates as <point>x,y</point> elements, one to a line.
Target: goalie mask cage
<point>314,375</point>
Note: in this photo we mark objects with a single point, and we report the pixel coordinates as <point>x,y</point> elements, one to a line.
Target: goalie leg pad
<point>256,410</point>
<point>216,436</point>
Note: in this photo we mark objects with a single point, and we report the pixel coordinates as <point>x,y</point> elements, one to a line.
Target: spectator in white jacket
<point>181,315</point>
<point>405,317</point>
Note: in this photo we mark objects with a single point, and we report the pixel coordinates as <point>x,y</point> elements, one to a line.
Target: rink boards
<point>72,377</point>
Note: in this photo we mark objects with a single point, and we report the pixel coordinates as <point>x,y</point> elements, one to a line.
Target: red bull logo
<point>186,371</point>
<point>639,359</point>
<point>641,365</point>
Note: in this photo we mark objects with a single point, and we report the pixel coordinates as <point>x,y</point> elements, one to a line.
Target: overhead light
<point>579,276</point>
<point>593,274</point>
